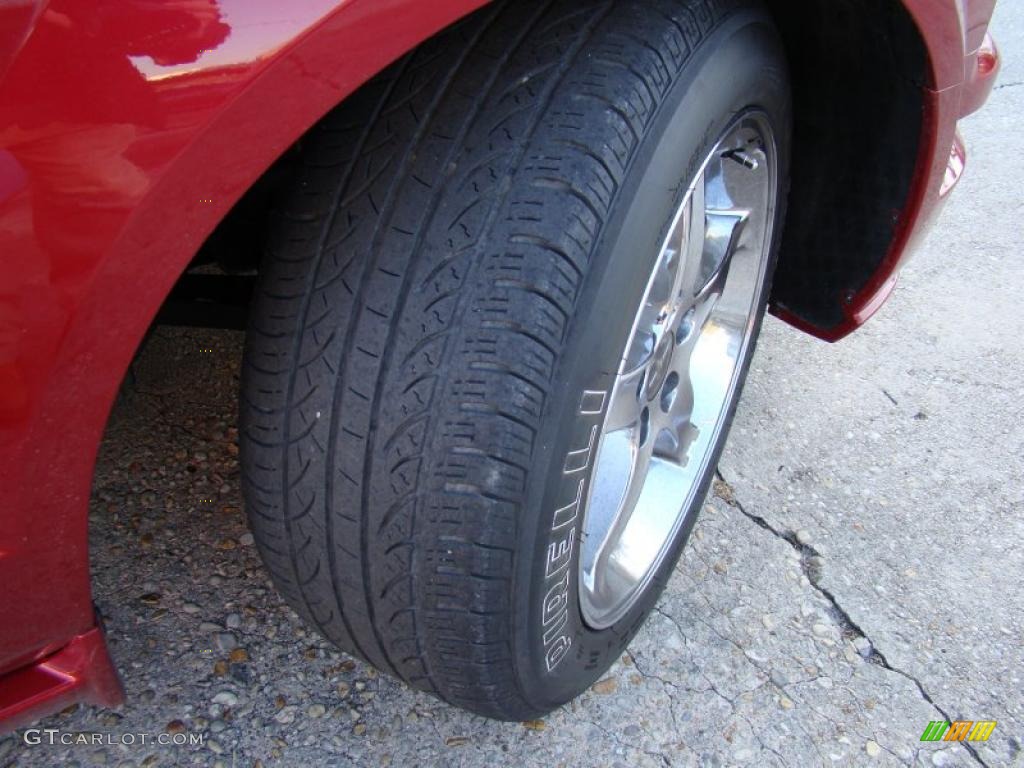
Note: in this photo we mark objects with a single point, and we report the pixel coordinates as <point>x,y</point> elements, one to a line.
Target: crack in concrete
<point>665,683</point>
<point>661,756</point>
<point>810,563</point>
<point>731,702</point>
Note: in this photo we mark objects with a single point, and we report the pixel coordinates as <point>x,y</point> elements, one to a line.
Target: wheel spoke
<point>665,288</point>
<point>721,240</point>
<point>680,415</point>
<point>681,431</point>
<point>625,407</point>
<point>630,497</point>
<point>696,224</point>
<point>677,251</point>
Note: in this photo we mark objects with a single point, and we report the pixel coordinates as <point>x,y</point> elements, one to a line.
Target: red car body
<point>127,132</point>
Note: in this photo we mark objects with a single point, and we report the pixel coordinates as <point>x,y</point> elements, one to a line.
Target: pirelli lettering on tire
<point>453,264</point>
<point>563,534</point>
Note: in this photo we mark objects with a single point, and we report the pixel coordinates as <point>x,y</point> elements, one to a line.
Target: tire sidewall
<point>738,66</point>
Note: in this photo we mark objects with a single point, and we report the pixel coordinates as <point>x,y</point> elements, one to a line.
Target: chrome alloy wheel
<point>679,370</point>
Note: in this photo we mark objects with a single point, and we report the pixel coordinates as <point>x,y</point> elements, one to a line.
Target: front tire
<point>442,312</point>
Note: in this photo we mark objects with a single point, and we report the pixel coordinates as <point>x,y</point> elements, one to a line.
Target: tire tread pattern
<point>417,292</point>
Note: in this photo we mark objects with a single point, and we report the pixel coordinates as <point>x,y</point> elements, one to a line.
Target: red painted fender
<point>127,131</point>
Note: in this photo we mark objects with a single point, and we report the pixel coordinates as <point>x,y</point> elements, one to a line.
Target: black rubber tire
<point>456,264</point>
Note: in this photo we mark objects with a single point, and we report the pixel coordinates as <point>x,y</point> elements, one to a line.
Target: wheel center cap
<point>660,365</point>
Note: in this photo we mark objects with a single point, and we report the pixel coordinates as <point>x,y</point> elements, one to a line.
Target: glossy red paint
<point>127,131</point>
<point>80,671</point>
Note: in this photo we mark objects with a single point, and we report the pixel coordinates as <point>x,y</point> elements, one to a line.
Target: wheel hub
<point>679,370</point>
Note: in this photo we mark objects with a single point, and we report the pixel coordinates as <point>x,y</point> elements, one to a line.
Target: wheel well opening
<point>216,287</point>
<point>859,70</point>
